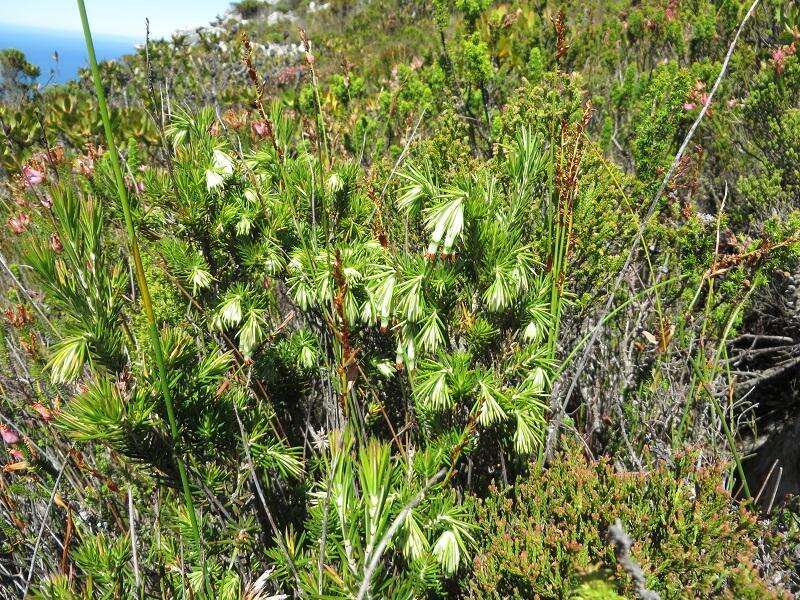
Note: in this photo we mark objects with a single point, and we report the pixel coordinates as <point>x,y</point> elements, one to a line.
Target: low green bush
<point>545,537</point>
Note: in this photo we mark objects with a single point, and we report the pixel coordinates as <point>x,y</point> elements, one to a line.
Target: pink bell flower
<point>9,435</point>
<point>32,177</point>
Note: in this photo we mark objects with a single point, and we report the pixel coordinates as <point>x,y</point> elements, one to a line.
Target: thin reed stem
<point>144,290</point>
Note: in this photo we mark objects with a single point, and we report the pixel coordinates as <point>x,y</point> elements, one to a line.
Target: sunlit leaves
<point>453,542</point>
<point>107,561</point>
<point>230,309</point>
<point>431,386</point>
<point>276,456</point>
<point>431,335</point>
<point>98,414</point>
<point>375,477</point>
<point>447,551</point>
<point>380,287</point>
<point>527,168</point>
<point>264,255</point>
<point>245,310</point>
<point>416,543</point>
<point>491,400</point>
<point>288,261</point>
<point>253,330</point>
<point>410,299</point>
<point>440,384</point>
<point>186,126</point>
<point>84,282</point>
<point>188,263</point>
<point>528,405</point>
<point>212,368</point>
<point>420,185</point>
<point>67,358</point>
<point>445,220</point>
<point>306,348</point>
<point>502,289</point>
<point>538,312</point>
<point>369,491</point>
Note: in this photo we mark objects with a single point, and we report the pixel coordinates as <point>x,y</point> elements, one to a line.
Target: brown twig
<point>259,88</point>
<point>622,548</point>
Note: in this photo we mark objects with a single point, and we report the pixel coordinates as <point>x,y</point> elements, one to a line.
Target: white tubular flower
<point>213,179</point>
<point>221,168</point>
<point>334,183</point>
<point>222,162</point>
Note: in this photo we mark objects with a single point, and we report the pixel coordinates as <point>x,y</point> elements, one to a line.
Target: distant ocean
<point>39,45</point>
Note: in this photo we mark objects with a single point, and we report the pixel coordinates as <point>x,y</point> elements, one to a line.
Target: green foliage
<point>542,536</point>
<point>536,65</point>
<point>16,74</point>
<point>771,118</point>
<point>659,113</point>
<point>472,9</point>
<point>82,279</point>
<point>477,61</point>
<point>372,503</point>
<point>372,291</point>
<point>248,8</point>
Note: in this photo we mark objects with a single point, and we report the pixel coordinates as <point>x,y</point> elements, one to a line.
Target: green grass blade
<point>139,271</point>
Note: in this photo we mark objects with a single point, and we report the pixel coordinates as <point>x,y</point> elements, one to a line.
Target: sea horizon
<point>39,44</point>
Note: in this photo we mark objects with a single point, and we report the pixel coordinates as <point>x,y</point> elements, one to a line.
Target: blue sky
<point>124,18</point>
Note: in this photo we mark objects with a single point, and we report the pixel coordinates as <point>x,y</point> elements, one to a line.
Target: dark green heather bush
<point>545,537</point>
